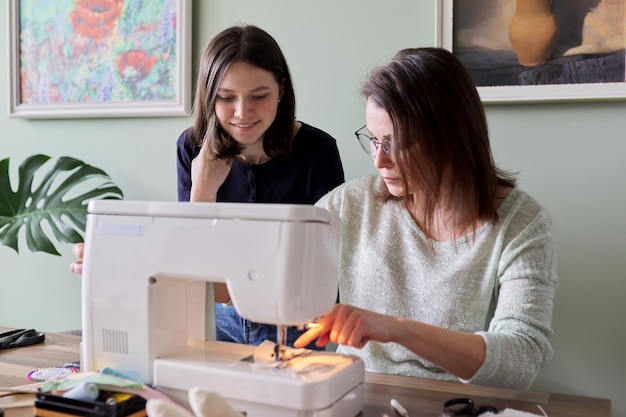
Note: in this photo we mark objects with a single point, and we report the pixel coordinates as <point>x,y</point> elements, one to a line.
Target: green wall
<point>569,156</point>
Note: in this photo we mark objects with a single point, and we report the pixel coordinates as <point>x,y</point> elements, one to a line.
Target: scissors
<point>21,337</point>
<point>465,407</point>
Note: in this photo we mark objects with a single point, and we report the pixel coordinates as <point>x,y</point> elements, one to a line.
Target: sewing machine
<point>148,312</point>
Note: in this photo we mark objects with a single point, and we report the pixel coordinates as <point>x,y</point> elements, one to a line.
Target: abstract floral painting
<point>99,58</point>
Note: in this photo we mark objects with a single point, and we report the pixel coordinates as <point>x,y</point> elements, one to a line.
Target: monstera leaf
<point>59,198</point>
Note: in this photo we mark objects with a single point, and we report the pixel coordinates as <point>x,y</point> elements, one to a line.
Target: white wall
<point>569,156</point>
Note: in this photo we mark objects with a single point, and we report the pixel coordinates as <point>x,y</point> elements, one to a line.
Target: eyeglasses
<point>370,144</point>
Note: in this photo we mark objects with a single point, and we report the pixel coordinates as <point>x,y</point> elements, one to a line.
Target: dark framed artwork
<point>562,50</point>
<point>99,58</point>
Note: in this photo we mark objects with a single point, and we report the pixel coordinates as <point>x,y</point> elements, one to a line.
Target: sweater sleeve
<point>518,335</point>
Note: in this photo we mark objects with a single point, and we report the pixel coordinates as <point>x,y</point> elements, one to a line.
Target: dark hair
<point>439,126</point>
<point>252,45</point>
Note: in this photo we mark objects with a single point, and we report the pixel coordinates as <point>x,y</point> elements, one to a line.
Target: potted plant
<point>58,198</point>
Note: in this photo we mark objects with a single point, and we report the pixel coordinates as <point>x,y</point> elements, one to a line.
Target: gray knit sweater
<point>501,285</point>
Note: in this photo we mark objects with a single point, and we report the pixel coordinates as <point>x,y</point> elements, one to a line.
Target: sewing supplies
<point>50,374</point>
<point>399,408</point>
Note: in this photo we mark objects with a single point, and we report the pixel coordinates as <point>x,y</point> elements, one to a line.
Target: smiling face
<point>380,126</point>
<point>247,102</point>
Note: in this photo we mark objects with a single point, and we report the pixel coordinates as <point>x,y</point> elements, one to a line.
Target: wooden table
<point>421,397</point>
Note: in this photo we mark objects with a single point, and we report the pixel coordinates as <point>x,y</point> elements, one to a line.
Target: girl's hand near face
<point>208,173</point>
<point>348,325</point>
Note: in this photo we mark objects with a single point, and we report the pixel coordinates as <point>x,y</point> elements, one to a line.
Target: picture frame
<point>78,59</point>
<point>477,32</point>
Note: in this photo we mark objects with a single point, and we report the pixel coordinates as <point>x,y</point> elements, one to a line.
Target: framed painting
<point>538,50</point>
<point>99,58</point>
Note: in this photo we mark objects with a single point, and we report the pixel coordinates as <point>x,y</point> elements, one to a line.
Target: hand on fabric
<point>348,325</point>
<point>208,173</point>
<point>203,403</point>
<point>459,353</point>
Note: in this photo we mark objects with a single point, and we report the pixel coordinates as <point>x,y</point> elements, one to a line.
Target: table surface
<point>421,397</point>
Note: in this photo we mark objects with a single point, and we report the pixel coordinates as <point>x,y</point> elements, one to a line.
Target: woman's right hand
<point>208,173</point>
<point>349,325</point>
<point>77,266</point>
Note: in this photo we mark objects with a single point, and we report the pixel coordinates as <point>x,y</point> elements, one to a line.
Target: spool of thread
<point>85,391</point>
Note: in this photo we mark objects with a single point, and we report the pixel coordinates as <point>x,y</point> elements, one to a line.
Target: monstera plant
<point>58,198</point>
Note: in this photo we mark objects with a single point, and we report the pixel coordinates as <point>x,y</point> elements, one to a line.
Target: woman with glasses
<point>448,268</point>
<point>246,146</point>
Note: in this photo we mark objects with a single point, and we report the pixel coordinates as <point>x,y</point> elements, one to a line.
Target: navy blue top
<point>313,169</point>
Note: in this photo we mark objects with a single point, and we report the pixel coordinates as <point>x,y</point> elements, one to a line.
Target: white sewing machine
<point>148,269</point>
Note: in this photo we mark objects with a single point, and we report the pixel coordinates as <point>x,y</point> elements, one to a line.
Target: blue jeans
<point>231,327</point>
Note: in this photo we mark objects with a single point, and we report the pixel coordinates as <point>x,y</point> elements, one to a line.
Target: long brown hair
<point>439,126</point>
<point>252,45</point>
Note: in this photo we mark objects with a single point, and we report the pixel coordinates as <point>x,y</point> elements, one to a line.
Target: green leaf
<point>58,200</point>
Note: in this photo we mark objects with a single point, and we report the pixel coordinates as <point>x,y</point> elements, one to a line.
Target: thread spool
<point>85,391</point>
